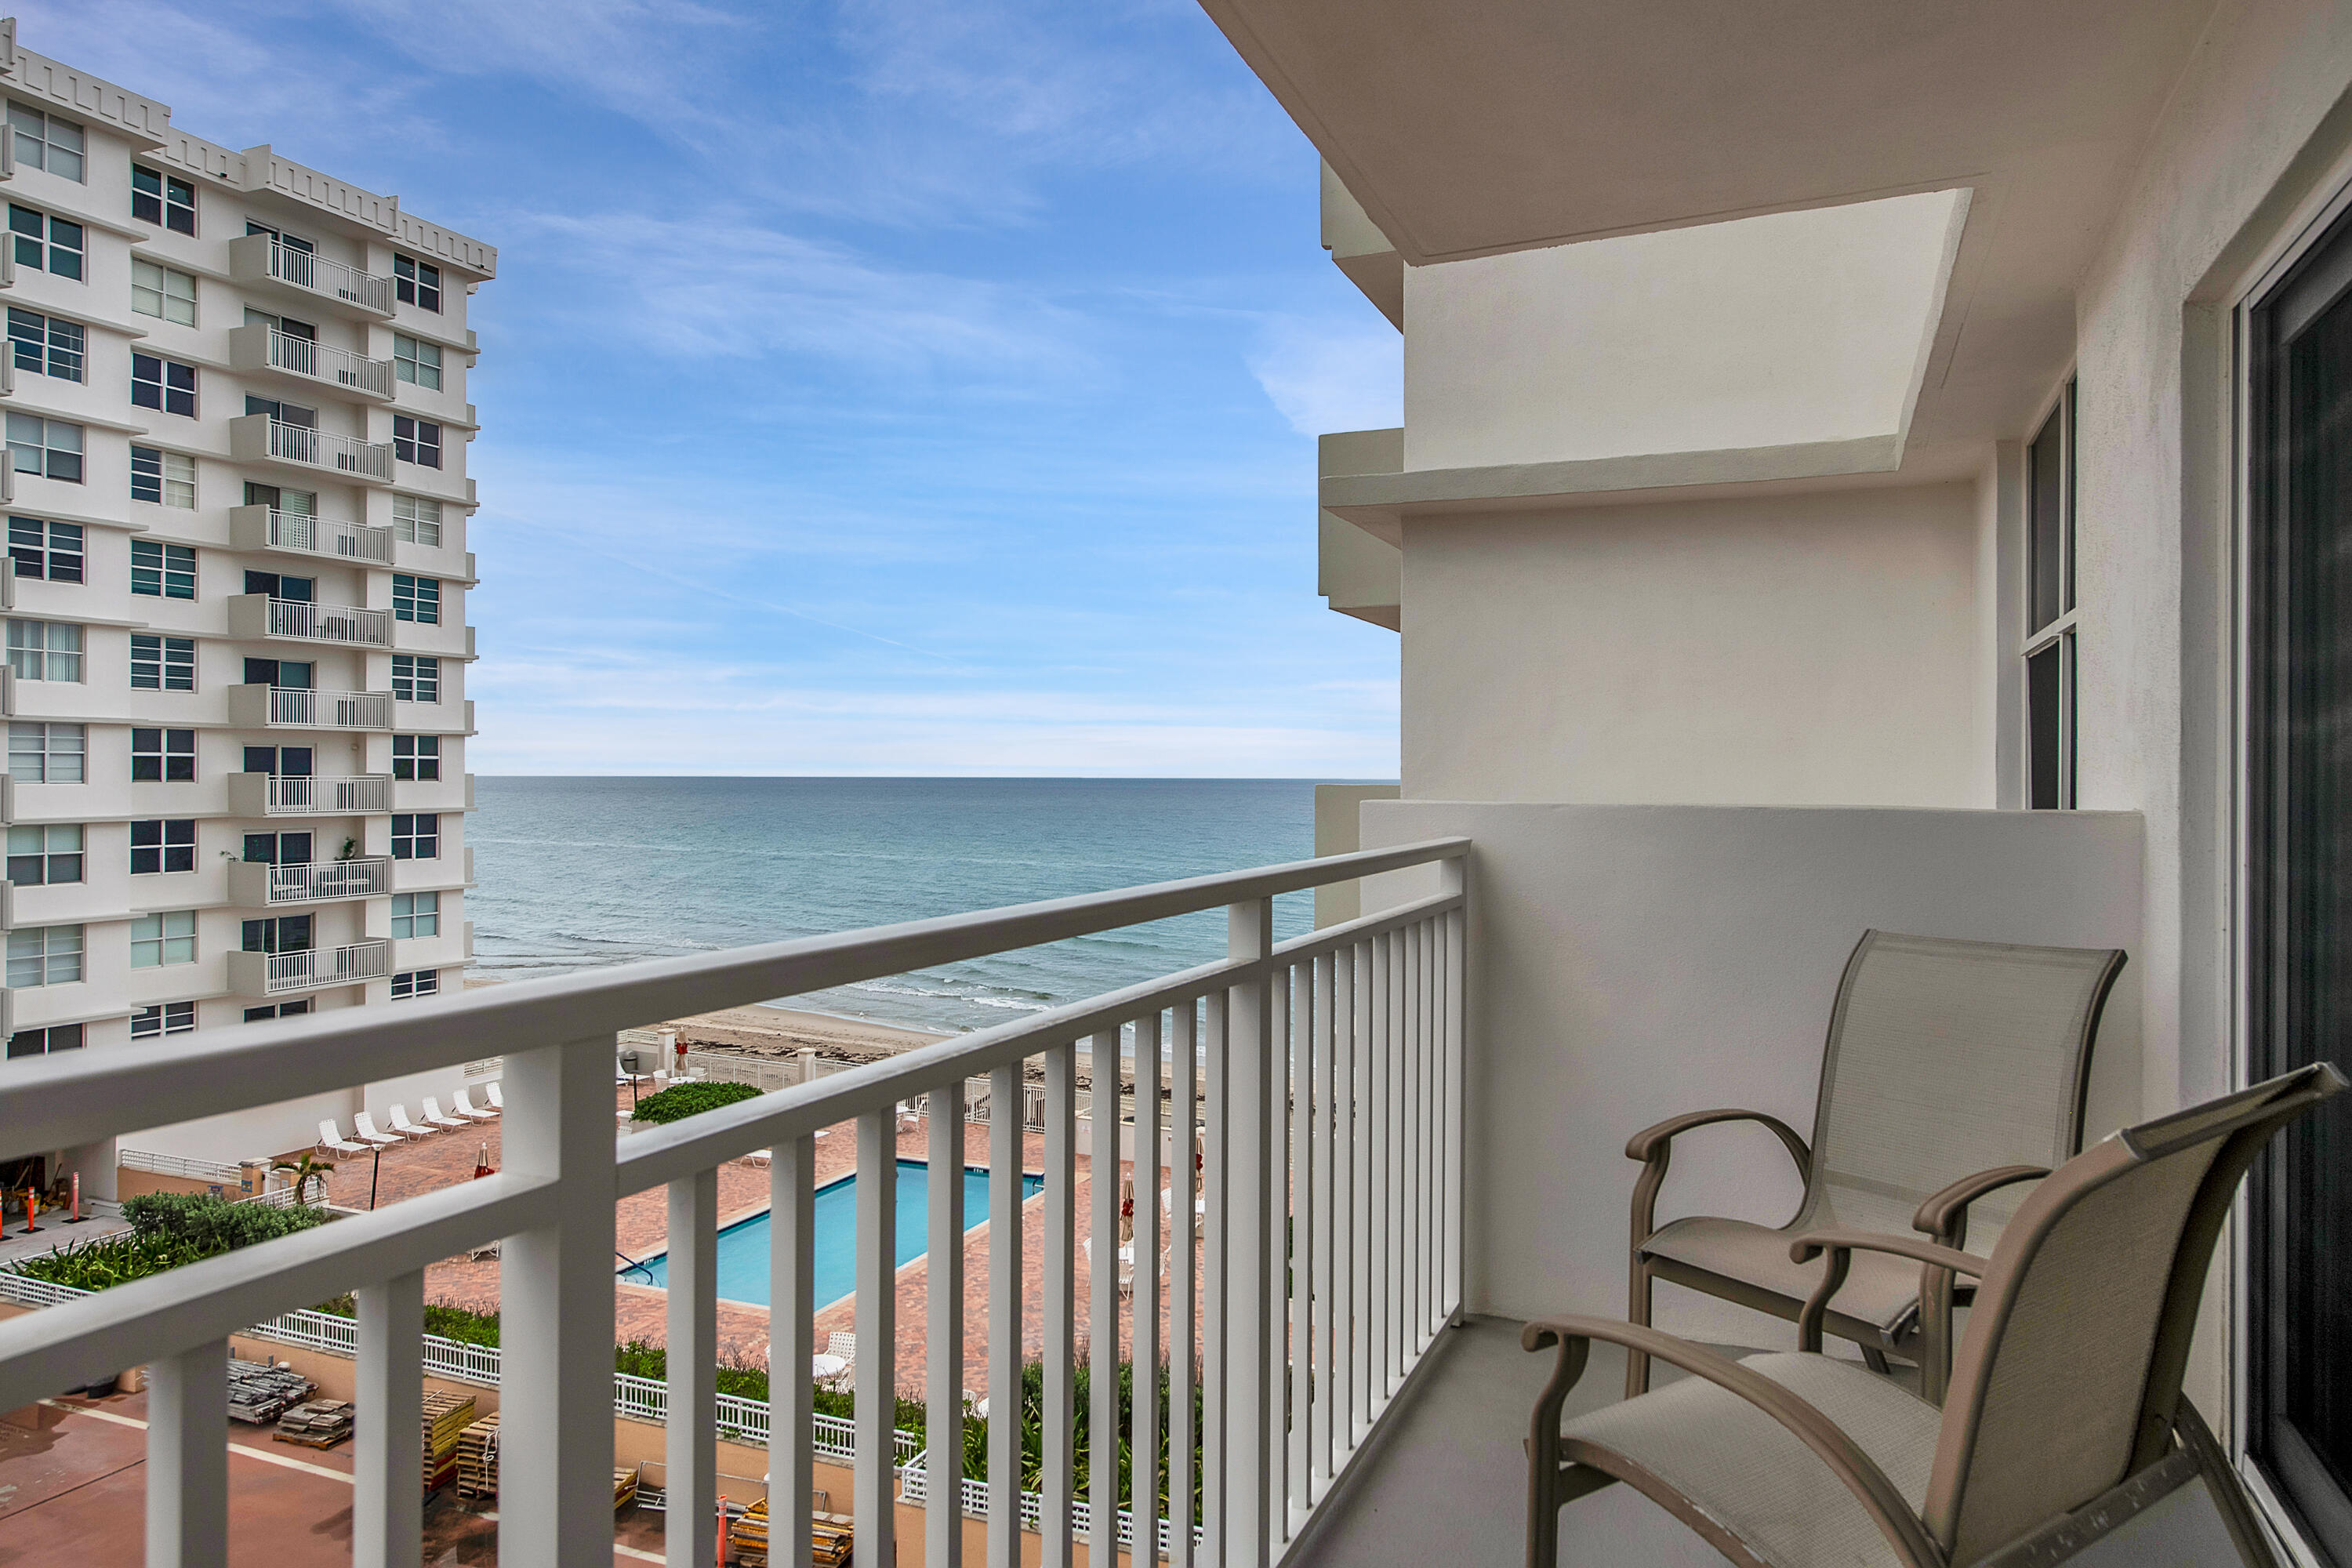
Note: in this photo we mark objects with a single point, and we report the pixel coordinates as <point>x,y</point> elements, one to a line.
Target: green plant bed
<point>167,1230</point>
<point>680,1101</point>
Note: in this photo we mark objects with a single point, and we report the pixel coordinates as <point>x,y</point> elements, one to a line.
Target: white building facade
<point>236,499</point>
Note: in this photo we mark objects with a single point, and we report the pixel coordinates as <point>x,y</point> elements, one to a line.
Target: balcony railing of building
<point>308,709</point>
<point>322,362</point>
<point>317,448</point>
<point>1323,1076</point>
<point>272,973</point>
<point>345,623</point>
<point>256,883</point>
<point>327,536</point>
<point>304,269</point>
<point>352,795</point>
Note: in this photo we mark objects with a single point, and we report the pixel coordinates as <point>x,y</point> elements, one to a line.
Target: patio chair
<point>2065,1415</point>
<point>759,1157</point>
<point>335,1143</point>
<point>1952,1071</point>
<point>464,1106</point>
<point>396,1118</point>
<point>490,1092</point>
<point>843,1345</point>
<point>364,1125</point>
<point>432,1117</point>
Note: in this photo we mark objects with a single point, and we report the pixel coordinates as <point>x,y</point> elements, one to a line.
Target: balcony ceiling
<point>1469,130</point>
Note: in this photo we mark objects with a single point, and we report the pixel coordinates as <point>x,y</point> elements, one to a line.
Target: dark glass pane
<point>2044,730</point>
<point>2046,489</point>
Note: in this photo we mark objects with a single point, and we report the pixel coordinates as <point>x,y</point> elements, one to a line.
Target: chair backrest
<point>433,1110</point>
<point>397,1115</point>
<point>843,1345</point>
<point>1947,1058</point>
<point>464,1097</point>
<point>491,1091</point>
<point>365,1123</point>
<point>2069,1373</point>
<point>327,1133</point>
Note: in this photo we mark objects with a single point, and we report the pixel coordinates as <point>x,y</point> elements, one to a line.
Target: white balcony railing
<point>345,624</point>
<point>303,270</point>
<point>326,536</point>
<point>322,362</point>
<point>1323,1076</point>
<point>307,710</point>
<point>345,965</point>
<point>254,884</point>
<point>316,448</point>
<point>328,796</point>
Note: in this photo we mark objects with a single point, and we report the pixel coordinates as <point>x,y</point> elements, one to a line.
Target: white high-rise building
<point>234,397</point>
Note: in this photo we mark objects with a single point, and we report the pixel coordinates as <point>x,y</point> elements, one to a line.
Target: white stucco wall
<point>1777,331</point>
<point>1821,649</point>
<point>1636,961</point>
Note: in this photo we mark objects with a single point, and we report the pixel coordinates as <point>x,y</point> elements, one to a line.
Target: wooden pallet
<point>477,1458</point>
<point>624,1487</point>
<point>445,1417</point>
<point>830,1538</point>
<point>319,1424</point>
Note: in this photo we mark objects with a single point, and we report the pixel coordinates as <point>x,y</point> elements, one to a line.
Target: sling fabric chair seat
<point>1947,1062</point>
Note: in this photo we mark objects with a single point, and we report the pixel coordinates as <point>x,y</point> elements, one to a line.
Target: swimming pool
<point>743,1246</point>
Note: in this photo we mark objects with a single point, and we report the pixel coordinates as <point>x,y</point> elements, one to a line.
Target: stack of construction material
<point>829,1538</point>
<point>446,1415</point>
<point>477,1458</point>
<point>750,1536</point>
<point>321,1424</point>
<point>259,1393</point>
<point>624,1487</point>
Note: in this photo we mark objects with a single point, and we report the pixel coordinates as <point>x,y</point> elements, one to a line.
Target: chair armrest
<point>1652,1142</point>
<point>1841,1245</point>
<point>1861,1475</point>
<point>1945,1215</point>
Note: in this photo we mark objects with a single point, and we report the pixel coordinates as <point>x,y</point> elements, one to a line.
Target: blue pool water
<point>743,1247</point>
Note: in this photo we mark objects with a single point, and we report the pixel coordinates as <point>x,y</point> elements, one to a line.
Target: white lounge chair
<point>364,1126</point>
<point>490,1092</point>
<point>335,1143</point>
<point>397,1119</point>
<point>433,1114</point>
<point>465,1107</point>
<point>761,1157</point>
<point>843,1345</point>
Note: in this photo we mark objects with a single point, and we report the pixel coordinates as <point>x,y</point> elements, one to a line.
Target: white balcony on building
<point>307,450</point>
<point>271,795</point>
<point>300,533</point>
<point>263,261</point>
<point>281,973</point>
<point>254,884</point>
<point>262,350</point>
<point>289,707</point>
<point>261,617</point>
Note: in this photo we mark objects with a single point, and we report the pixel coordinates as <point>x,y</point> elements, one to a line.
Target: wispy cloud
<point>1326,375</point>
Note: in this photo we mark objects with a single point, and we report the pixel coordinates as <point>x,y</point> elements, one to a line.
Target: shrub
<point>680,1101</point>
<point>167,1230</point>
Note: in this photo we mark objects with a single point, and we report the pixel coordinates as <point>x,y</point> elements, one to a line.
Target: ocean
<point>579,872</point>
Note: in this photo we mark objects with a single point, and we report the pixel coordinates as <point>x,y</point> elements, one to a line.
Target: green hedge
<point>167,1229</point>
<point>680,1101</point>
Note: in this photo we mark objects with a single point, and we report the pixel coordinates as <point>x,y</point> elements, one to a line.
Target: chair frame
<point>1943,1217</point>
<point>2173,1444</point>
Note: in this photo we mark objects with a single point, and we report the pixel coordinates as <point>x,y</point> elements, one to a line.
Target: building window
<point>287,933</point>
<point>417,441</point>
<point>416,837</point>
<point>158,198</point>
<point>416,361</point>
<point>164,939</point>
<point>163,756</point>
<point>164,384</point>
<point>416,679</point>
<point>45,345</point>
<point>415,914</point>
<point>2051,620</point>
<point>52,550</point>
<point>162,571</point>
<point>162,663</point>
<point>417,756</point>
<point>416,521</point>
<point>46,244</point>
<point>165,292</point>
<point>162,846</point>
<point>167,479</point>
<point>50,448</point>
<point>277,1010</point>
<point>46,753</point>
<point>39,856</point>
<point>44,650</point>
<point>417,599</point>
<point>45,142</point>
<point>417,283</point>
<point>415,983</point>
<point>286,673</point>
<point>293,242</point>
<point>43,955</point>
<point>43,1042</point>
<point>160,1019</point>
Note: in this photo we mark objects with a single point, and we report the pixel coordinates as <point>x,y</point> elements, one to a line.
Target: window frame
<point>163,291</point>
<point>423,675</point>
<point>46,149</point>
<point>412,526</point>
<point>424,766</point>
<point>49,948</point>
<point>58,346</point>
<point>50,459</point>
<point>2049,653</point>
<point>160,662</point>
<point>40,548</point>
<point>422,443</point>
<point>172,749</point>
<point>416,916</point>
<point>45,872</point>
<point>21,655</point>
<point>162,571</point>
<point>162,477</point>
<point>164,932</point>
<point>417,599</point>
<point>416,836</point>
<point>416,282</point>
<point>39,247</point>
<point>171,205</point>
<point>51,758</point>
<point>171,850</point>
<point>412,358</point>
<point>166,386</point>
<point>46,1042</point>
<point>160,1020</point>
<point>411,982</point>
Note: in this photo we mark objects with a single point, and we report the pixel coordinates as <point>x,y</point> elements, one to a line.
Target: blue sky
<point>891,388</point>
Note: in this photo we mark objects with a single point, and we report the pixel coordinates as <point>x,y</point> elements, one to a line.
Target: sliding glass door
<point>2299,799</point>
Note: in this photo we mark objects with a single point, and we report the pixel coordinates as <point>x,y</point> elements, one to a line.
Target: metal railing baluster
<point>943,1349</point>
<point>791,1344</point>
<point>1305,1252</point>
<point>1183,1282</point>
<point>1004,1317</point>
<point>877,1366</point>
<point>1102,1321</point>
<point>690,1444</point>
<point>1059,1468</point>
<point>1251,1228</point>
<point>1215,1244</point>
<point>1325,1145</point>
<point>1143,1442</point>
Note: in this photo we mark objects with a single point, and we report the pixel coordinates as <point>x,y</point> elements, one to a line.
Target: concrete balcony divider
<point>254,884</point>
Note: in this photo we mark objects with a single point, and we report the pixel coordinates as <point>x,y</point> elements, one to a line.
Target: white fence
<point>327,536</point>
<point>309,709</point>
<point>314,448</point>
<point>307,356</point>
<point>178,1165</point>
<point>311,883</point>
<point>1322,1077</point>
<point>345,623</point>
<point>306,270</point>
<point>330,796</point>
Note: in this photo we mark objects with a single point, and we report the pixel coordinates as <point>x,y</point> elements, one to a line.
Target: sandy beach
<point>766,1031</point>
